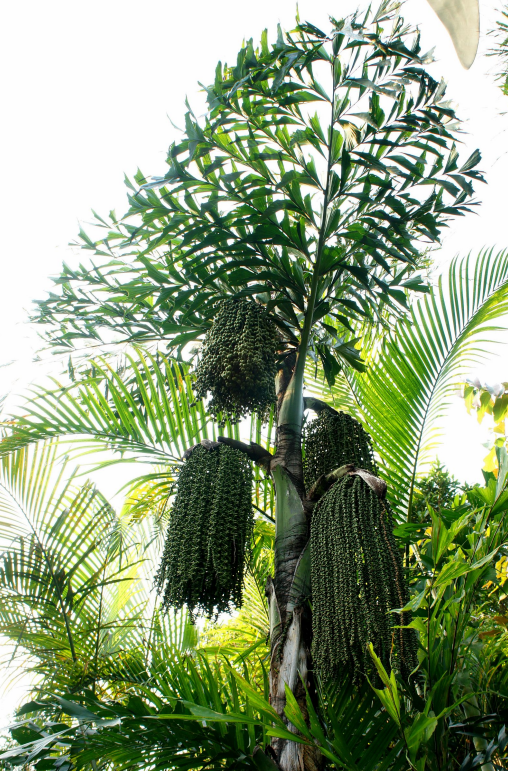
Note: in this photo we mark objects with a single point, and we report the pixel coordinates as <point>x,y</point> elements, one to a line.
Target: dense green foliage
<point>210,525</point>
<point>175,715</point>
<point>325,166</point>
<point>166,709</point>
<point>238,361</point>
<point>357,580</point>
<point>436,489</point>
<point>61,571</point>
<point>462,642</point>
<point>331,440</point>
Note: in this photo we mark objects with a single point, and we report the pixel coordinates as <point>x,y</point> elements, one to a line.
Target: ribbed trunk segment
<point>290,619</point>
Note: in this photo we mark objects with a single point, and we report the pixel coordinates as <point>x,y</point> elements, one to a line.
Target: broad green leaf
<point>455,569</point>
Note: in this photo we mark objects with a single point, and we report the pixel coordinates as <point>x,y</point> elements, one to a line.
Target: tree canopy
<point>325,165</point>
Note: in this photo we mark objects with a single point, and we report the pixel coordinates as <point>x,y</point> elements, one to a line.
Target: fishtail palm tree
<point>325,225</point>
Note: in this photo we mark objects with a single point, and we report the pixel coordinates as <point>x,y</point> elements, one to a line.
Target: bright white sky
<point>88,93</point>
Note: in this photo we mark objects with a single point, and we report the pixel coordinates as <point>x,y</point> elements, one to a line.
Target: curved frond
<point>144,411</point>
<point>70,598</point>
<point>147,409</point>
<point>407,388</point>
<point>187,713</point>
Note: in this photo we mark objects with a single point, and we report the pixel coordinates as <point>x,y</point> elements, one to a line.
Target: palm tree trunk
<point>290,619</point>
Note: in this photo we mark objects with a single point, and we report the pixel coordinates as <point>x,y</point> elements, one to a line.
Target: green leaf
<point>404,393</point>
<point>388,696</point>
<point>453,570</point>
<point>502,459</point>
<point>294,713</point>
<point>421,730</point>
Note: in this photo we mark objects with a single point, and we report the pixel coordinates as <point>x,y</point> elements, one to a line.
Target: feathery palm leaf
<point>407,388</point>
<point>337,391</point>
<point>192,713</point>
<point>500,49</point>
<point>184,713</point>
<point>69,594</point>
<point>413,371</point>
<point>144,411</point>
<point>353,171</point>
<point>147,410</point>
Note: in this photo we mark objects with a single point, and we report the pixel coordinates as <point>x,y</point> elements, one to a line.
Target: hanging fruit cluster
<point>331,440</point>
<point>208,535</point>
<point>238,361</point>
<point>357,580</point>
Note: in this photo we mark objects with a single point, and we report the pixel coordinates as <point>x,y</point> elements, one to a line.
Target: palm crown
<point>324,164</point>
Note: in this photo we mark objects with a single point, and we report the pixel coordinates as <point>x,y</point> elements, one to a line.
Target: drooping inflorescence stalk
<point>331,440</point>
<point>210,525</point>
<point>238,361</point>
<point>357,580</point>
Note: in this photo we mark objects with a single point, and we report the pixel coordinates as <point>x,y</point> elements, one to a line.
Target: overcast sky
<point>88,93</point>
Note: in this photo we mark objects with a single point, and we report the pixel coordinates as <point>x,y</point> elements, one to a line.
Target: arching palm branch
<point>145,412</point>
<point>73,598</point>
<point>414,371</point>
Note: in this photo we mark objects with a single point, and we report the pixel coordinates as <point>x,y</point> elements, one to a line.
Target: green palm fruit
<point>331,440</point>
<point>209,530</point>
<point>238,361</point>
<point>357,581</point>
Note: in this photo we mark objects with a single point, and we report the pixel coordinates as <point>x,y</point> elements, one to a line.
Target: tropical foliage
<point>491,400</point>
<point>437,489</point>
<point>169,710</point>
<point>453,557</point>
<point>323,218</point>
<point>75,597</point>
<point>414,372</point>
<point>265,187</point>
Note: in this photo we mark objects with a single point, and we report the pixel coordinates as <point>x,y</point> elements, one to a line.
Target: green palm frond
<point>241,210</point>
<point>338,394</point>
<point>194,714</point>
<point>184,713</point>
<point>412,376</point>
<point>349,729</point>
<point>146,410</point>
<point>70,594</point>
<point>500,48</point>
